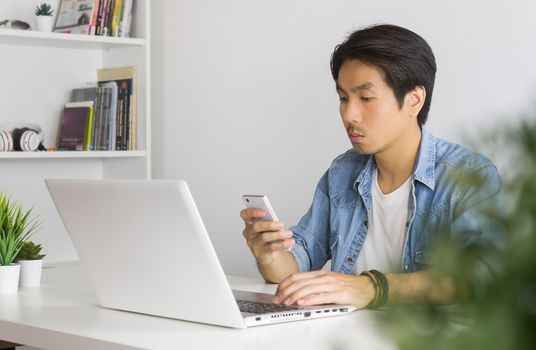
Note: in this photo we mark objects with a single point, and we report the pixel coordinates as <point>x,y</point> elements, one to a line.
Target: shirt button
<point>365,222</point>
<point>407,224</point>
<point>349,259</point>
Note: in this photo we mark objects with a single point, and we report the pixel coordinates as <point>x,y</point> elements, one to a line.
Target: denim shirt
<point>336,224</point>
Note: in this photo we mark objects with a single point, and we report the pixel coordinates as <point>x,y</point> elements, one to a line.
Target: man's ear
<point>415,100</point>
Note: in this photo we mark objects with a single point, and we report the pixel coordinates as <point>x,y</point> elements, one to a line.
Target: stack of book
<point>95,17</point>
<point>102,117</point>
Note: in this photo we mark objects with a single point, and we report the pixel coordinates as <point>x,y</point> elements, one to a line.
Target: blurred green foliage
<point>500,313</point>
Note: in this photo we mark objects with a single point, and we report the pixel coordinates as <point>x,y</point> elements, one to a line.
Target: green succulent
<point>30,251</point>
<point>44,10</point>
<point>16,227</point>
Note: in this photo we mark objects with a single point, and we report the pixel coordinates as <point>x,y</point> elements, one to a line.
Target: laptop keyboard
<point>261,308</point>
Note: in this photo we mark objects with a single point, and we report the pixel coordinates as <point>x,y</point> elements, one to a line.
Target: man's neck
<point>395,164</point>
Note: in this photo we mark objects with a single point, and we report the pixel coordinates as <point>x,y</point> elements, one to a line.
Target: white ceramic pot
<point>9,278</point>
<point>44,23</point>
<point>30,272</point>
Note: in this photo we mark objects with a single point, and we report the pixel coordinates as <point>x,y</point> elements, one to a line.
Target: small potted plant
<point>31,264</point>
<point>44,18</point>
<point>16,227</point>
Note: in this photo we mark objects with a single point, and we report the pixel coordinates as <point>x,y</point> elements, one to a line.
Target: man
<point>380,207</point>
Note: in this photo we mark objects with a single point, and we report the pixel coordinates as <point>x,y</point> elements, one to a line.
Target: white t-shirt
<point>384,243</point>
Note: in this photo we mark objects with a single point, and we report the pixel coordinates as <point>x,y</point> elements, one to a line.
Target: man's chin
<point>361,150</point>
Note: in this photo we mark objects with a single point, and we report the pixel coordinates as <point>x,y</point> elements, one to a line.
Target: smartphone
<point>260,201</point>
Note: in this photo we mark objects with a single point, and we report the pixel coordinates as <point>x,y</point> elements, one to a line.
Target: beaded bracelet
<point>380,285</point>
<point>384,287</point>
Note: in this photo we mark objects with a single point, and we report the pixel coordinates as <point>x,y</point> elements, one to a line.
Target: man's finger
<point>295,282</point>
<point>295,277</point>
<point>250,215</point>
<point>335,297</point>
<point>268,237</point>
<point>283,245</point>
<point>267,226</point>
<point>316,286</point>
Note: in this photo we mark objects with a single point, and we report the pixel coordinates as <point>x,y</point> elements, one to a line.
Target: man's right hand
<point>266,239</point>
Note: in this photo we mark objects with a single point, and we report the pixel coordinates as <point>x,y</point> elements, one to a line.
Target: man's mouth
<point>356,138</point>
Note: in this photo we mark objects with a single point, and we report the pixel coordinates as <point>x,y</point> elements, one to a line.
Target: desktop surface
<point>63,313</point>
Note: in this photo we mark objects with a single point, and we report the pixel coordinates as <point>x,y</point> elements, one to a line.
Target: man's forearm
<point>426,286</point>
<point>283,266</point>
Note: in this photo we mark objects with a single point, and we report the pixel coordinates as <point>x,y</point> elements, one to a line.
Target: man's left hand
<point>325,287</point>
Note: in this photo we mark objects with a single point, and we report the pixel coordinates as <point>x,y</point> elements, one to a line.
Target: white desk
<point>63,314</point>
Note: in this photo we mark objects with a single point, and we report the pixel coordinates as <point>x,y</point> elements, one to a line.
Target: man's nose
<point>351,113</point>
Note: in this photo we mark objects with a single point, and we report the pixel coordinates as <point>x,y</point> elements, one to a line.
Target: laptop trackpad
<point>253,297</point>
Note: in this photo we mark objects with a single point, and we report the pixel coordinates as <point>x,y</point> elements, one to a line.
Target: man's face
<point>369,109</point>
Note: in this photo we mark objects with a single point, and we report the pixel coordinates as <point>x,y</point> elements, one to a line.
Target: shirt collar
<point>423,172</point>
<point>425,168</point>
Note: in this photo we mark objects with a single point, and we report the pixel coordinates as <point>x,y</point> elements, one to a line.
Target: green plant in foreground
<point>16,227</point>
<point>500,313</point>
<point>43,10</point>
<point>30,251</point>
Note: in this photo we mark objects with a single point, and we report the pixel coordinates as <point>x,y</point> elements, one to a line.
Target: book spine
<point>93,27</point>
<point>111,122</point>
<point>104,118</point>
<point>104,17</point>
<point>102,4</point>
<point>117,120</point>
<point>120,118</point>
<point>89,125</point>
<point>134,126</point>
<point>109,17</point>
<point>121,18</point>
<point>126,121</point>
<point>98,121</point>
<point>103,145</point>
<point>116,17</point>
<point>127,14</point>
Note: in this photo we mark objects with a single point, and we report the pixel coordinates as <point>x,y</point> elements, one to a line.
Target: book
<point>108,129</point>
<point>93,28</point>
<point>103,17</point>
<point>99,17</point>
<point>124,135</point>
<point>75,126</point>
<point>74,16</point>
<point>126,117</point>
<point>101,97</point>
<point>118,7</point>
<point>126,18</point>
<point>88,94</point>
<point>109,17</point>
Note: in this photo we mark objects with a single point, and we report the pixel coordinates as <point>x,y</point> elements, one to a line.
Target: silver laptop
<point>146,249</point>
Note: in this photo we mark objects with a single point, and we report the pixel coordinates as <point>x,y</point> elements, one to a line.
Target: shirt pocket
<point>346,199</point>
<point>423,258</point>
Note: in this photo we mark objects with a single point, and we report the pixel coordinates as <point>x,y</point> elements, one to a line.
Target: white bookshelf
<point>73,154</point>
<point>39,71</point>
<point>68,41</point>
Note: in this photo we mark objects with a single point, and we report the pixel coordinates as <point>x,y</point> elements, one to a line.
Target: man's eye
<point>367,99</point>
<point>342,99</point>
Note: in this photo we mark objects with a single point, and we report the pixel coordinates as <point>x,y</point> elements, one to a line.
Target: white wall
<point>243,100</point>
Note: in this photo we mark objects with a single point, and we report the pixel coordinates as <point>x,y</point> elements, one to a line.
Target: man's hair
<point>403,57</point>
